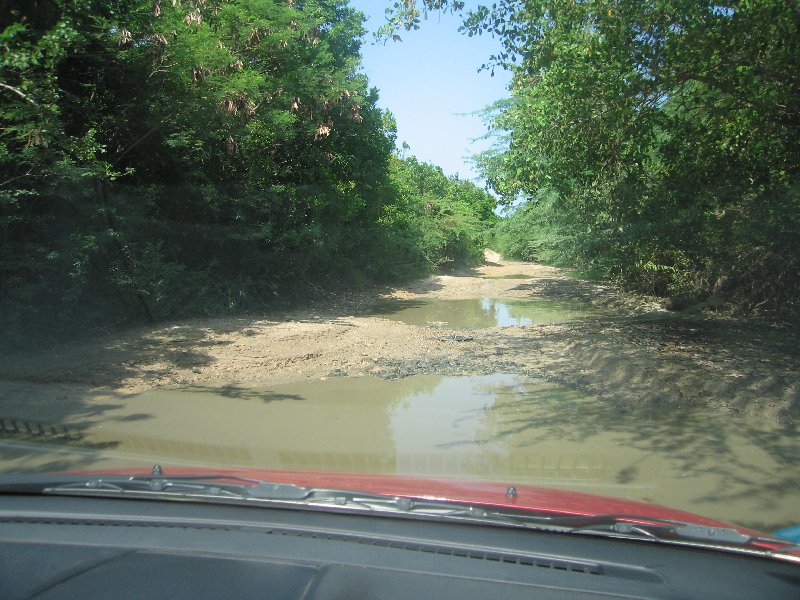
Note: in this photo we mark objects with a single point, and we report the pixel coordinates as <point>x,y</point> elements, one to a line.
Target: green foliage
<point>160,159</point>
<point>530,232</point>
<point>667,134</point>
<point>437,222</point>
<point>164,158</point>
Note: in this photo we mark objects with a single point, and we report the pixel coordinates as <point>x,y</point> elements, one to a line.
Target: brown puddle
<point>512,276</point>
<point>484,312</point>
<point>500,427</point>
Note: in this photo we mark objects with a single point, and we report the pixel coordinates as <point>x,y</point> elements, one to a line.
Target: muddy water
<point>484,312</point>
<point>502,428</point>
<point>512,276</point>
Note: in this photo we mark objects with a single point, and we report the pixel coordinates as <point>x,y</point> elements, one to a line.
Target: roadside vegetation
<point>656,143</point>
<point>178,158</point>
<point>192,157</point>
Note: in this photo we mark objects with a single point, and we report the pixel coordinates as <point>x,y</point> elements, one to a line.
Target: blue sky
<point>430,82</point>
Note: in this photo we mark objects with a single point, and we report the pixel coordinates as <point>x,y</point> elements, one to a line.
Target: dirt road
<point>638,354</point>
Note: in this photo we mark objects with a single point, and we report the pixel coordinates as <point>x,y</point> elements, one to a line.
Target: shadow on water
<point>722,465</point>
<point>41,458</point>
<point>31,446</point>
<point>497,427</point>
<point>739,469</point>
<point>76,385</point>
<point>394,306</point>
<point>135,417</point>
<point>74,388</point>
<point>510,429</point>
<point>241,393</point>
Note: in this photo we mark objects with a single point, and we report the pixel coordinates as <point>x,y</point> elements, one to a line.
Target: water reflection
<point>484,312</point>
<point>500,427</point>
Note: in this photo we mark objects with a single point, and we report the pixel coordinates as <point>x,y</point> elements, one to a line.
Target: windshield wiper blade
<point>156,483</point>
<point>648,527</point>
<point>205,486</point>
<point>232,488</point>
<point>225,487</point>
<point>184,486</point>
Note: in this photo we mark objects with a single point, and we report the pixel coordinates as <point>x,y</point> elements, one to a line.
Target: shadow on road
<point>242,393</point>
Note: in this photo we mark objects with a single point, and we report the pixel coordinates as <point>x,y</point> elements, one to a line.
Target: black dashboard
<point>69,547</point>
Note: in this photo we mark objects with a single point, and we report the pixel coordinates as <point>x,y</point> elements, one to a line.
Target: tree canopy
<point>657,141</point>
<point>163,157</point>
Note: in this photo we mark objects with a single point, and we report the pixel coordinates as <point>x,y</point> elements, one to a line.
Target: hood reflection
<point>502,428</point>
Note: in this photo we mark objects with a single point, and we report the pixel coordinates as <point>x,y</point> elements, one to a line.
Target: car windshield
<point>550,244</point>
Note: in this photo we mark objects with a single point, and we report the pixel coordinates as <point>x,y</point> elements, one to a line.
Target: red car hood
<point>487,494</point>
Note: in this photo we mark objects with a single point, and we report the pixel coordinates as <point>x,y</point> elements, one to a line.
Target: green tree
<point>444,222</point>
<point>167,157</point>
<point>664,135</point>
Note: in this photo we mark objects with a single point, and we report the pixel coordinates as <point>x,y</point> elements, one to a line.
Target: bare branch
<point>7,181</point>
<point>18,93</point>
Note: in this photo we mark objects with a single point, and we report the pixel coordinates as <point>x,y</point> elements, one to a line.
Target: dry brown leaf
<point>193,18</point>
<point>158,39</point>
<point>125,37</point>
<point>323,131</point>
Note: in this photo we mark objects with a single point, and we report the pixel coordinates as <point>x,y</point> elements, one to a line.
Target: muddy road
<point>618,347</point>
<point>510,371</point>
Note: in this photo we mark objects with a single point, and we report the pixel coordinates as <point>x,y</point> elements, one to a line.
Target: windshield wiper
<point>657,529</point>
<point>214,485</point>
<point>230,488</point>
